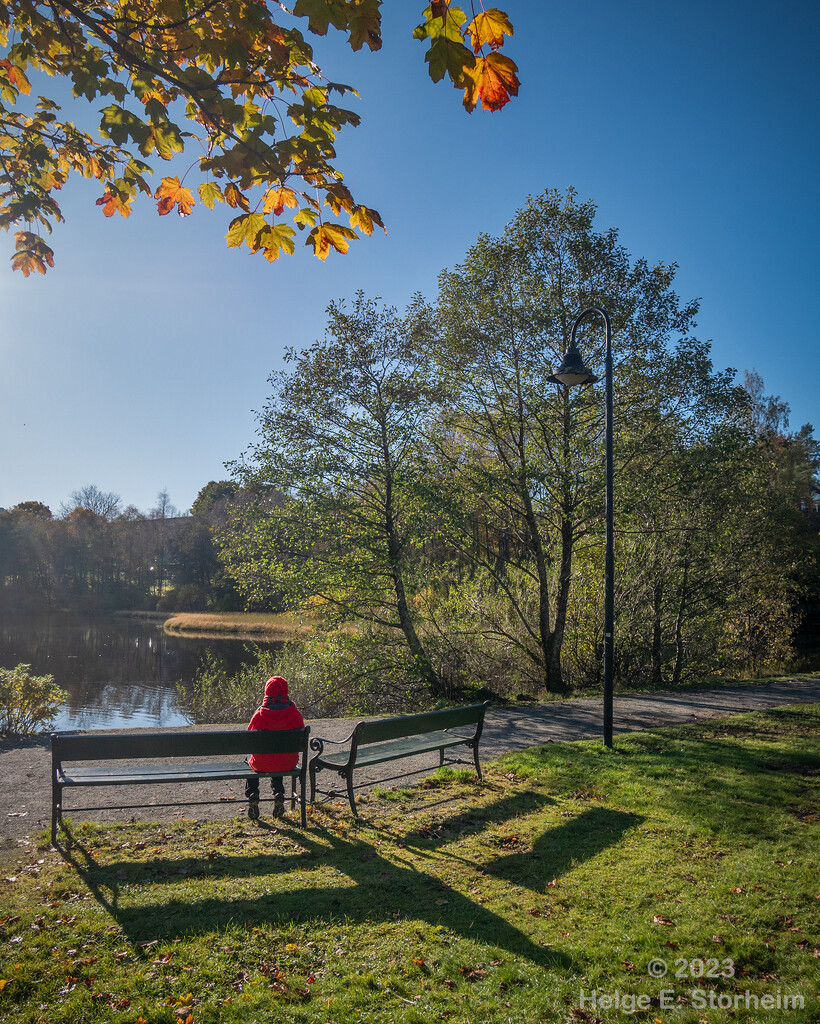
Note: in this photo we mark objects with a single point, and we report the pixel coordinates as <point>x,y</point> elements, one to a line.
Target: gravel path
<point>25,800</point>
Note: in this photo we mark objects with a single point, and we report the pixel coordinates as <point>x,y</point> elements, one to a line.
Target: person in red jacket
<point>277,711</point>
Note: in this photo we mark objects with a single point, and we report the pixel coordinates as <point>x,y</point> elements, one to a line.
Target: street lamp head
<point>572,370</point>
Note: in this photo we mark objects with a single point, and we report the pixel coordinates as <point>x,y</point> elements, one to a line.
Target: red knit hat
<point>276,686</point>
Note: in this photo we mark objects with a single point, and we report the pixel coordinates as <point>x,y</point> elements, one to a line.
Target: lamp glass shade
<point>572,370</point>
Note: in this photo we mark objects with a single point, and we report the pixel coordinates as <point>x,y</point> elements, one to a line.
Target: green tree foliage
<point>525,457</point>
<point>338,516</point>
<point>423,477</point>
<point>28,703</point>
<point>235,81</point>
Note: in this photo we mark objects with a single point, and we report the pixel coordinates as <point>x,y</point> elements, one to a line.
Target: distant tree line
<point>95,555</point>
<point>442,501</point>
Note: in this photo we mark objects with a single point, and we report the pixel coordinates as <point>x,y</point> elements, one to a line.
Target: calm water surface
<point>119,673</point>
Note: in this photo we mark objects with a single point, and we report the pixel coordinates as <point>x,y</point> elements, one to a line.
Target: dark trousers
<point>277,784</point>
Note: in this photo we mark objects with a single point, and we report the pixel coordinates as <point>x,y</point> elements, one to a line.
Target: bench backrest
<point>110,746</point>
<point>416,725</point>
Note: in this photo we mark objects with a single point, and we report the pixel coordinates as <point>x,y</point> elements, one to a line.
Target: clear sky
<point>136,364</point>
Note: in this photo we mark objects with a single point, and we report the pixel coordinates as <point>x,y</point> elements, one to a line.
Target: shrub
<point>28,703</point>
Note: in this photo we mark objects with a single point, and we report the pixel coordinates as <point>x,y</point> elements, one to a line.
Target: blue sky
<point>137,362</point>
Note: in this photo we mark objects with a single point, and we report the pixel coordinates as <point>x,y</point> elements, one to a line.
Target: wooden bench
<point>95,759</point>
<point>389,739</point>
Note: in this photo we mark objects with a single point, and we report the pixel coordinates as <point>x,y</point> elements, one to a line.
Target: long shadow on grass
<point>375,890</point>
<point>559,849</point>
<point>723,782</point>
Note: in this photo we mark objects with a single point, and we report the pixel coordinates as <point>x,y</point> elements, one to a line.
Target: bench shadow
<point>467,823</point>
<point>559,849</point>
<point>373,889</point>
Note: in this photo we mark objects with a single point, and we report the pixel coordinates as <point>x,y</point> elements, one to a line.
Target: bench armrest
<point>318,742</point>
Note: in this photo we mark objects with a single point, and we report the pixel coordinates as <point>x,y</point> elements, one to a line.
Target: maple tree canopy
<point>254,104</point>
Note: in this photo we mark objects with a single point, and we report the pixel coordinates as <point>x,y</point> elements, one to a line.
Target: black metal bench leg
<point>349,778</point>
<point>56,811</point>
<point>475,758</point>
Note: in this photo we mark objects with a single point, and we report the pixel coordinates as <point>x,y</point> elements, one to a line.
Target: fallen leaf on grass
<point>473,973</point>
<point>577,1014</point>
<point>660,919</point>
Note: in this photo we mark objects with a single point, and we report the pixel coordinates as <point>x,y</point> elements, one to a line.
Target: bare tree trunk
<point>657,635</point>
<point>678,670</point>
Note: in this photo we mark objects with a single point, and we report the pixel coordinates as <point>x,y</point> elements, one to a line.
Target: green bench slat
<point>376,753</point>
<point>128,746</point>
<point>80,760</point>
<point>390,739</point>
<point>127,774</point>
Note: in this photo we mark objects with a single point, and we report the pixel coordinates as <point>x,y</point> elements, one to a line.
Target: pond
<point>118,672</point>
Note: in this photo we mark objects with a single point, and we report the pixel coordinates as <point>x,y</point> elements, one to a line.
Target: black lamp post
<point>573,371</point>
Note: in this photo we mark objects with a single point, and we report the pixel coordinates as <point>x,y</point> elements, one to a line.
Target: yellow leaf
<point>365,218</point>
<point>325,236</point>
<point>275,239</point>
<point>210,193</point>
<point>489,28</point>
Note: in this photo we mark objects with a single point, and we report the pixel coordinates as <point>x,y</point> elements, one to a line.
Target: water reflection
<point>119,673</point>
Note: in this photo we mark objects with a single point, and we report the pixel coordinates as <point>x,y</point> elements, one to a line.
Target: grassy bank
<point>559,886</point>
<point>243,625</point>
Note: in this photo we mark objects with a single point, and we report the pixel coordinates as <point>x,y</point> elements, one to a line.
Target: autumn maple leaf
<point>493,80</point>
<point>171,193</point>
<point>112,202</point>
<point>489,28</point>
<point>32,255</point>
<point>325,236</point>
<point>276,199</point>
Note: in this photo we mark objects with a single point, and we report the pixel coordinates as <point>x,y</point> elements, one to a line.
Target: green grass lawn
<point>557,890</point>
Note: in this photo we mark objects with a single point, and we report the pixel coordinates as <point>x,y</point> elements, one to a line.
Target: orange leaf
<point>112,203</point>
<point>493,80</point>
<point>170,193</point>
<point>276,199</point>
<point>16,76</point>
<point>234,197</point>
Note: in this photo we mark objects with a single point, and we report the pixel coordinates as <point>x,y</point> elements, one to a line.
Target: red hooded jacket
<point>277,712</point>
